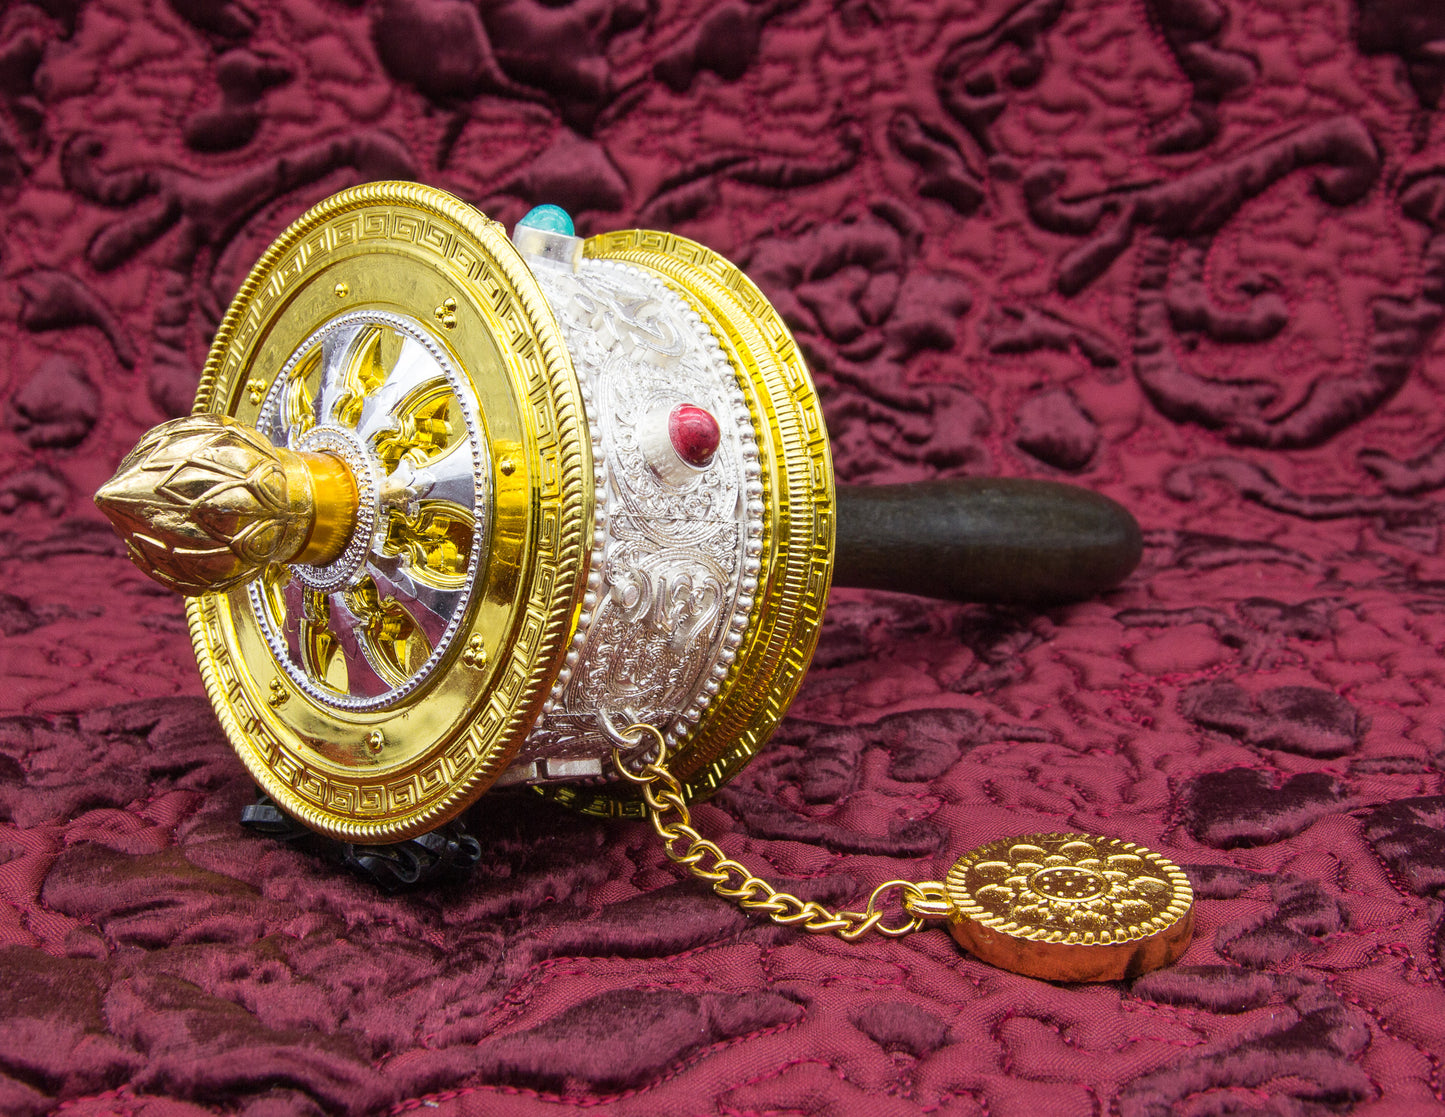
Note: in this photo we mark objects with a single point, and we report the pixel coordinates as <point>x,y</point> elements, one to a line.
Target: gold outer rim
<point>548,483</point>
<point>798,500</point>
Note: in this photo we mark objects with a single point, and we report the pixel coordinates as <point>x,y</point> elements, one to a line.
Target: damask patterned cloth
<point>1188,252</point>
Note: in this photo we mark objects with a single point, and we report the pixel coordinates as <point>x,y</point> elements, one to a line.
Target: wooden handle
<point>990,539</point>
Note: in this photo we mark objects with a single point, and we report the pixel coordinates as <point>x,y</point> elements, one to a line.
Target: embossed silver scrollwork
<point>676,563</point>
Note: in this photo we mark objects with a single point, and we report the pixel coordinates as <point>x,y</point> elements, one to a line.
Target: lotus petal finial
<point>205,504</point>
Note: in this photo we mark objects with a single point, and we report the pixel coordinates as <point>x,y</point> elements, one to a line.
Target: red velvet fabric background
<point>1189,252</point>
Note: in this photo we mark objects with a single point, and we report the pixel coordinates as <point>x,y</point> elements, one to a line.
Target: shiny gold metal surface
<point>1070,907</point>
<point>333,508</point>
<point>205,504</point>
<point>1061,907</point>
<point>400,265</point>
<point>361,716</point>
<point>666,807</point>
<point>797,506</point>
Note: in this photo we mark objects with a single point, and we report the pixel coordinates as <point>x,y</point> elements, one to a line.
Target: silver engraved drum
<point>679,512</point>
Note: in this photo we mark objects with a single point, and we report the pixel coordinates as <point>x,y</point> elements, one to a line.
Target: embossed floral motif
<point>1078,888</point>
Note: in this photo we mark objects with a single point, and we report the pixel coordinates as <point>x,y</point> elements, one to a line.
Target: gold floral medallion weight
<point>1062,907</point>
<point>1070,907</point>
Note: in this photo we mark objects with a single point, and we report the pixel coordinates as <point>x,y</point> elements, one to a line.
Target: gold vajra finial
<point>205,504</point>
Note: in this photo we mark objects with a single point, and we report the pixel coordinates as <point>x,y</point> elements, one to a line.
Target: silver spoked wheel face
<point>382,393</point>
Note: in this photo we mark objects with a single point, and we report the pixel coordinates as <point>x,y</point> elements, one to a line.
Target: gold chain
<point>921,900</point>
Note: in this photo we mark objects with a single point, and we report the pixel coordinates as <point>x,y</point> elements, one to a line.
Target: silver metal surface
<point>351,600</point>
<point>675,563</point>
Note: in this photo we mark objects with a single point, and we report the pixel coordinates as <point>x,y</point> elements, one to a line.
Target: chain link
<point>668,813</point>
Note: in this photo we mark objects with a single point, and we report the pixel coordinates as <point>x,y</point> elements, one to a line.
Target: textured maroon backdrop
<point>1190,252</point>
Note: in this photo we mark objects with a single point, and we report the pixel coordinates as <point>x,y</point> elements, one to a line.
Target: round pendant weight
<point>1070,907</point>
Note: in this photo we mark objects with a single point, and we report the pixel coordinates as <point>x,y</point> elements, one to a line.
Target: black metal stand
<point>448,852</point>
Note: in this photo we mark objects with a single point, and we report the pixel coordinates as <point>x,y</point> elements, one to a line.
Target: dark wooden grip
<point>991,539</point>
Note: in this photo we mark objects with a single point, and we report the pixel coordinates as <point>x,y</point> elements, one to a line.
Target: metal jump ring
<point>911,892</point>
<point>633,737</point>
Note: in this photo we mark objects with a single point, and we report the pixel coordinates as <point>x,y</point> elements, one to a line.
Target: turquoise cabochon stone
<point>553,219</point>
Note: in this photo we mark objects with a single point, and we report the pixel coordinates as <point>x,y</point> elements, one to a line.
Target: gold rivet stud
<point>507,466</point>
<point>375,740</point>
<point>342,290</point>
